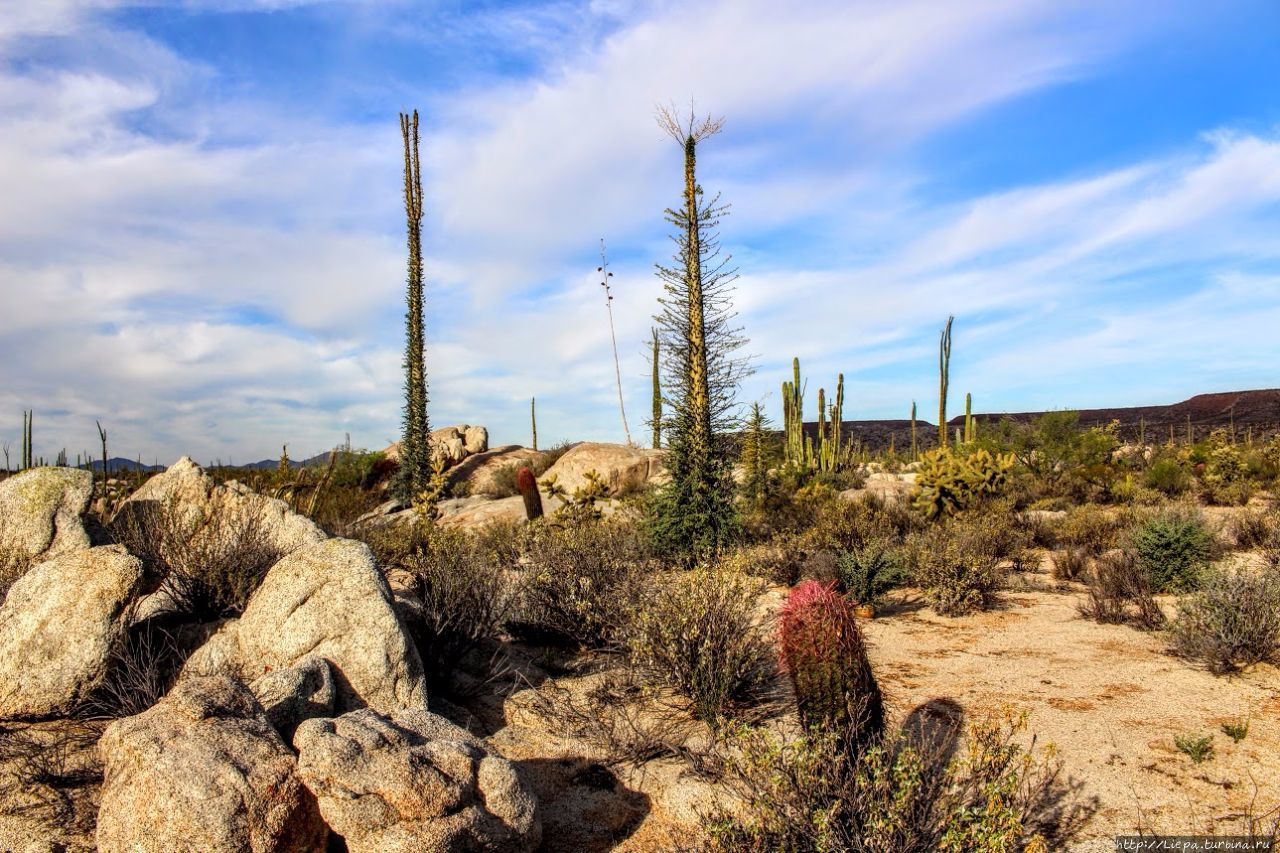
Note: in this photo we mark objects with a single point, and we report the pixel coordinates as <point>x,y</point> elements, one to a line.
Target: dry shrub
<point>697,631</point>
<point>1070,564</point>
<point>583,583</point>
<point>1090,528</point>
<point>957,562</point>
<point>1251,530</point>
<point>779,561</point>
<point>465,597</point>
<point>144,664</point>
<point>907,795</point>
<point>48,773</point>
<point>1119,592</point>
<point>845,525</point>
<point>210,563</point>
<point>1233,621</point>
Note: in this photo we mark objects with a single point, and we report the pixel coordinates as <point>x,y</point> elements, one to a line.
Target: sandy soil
<point>1108,697</point>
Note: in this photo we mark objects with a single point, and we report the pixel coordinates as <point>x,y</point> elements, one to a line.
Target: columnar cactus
<point>533,418</point>
<point>915,447</point>
<point>824,654</point>
<point>944,380</point>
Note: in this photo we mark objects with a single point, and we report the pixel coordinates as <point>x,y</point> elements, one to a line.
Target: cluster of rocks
<point>304,718</point>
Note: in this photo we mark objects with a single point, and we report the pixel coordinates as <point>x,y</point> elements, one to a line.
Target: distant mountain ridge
<point>1256,412</point>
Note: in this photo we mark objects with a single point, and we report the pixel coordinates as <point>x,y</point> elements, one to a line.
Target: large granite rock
<point>40,512</point>
<point>328,600</point>
<point>414,783</point>
<point>203,770</point>
<point>623,469</point>
<point>191,493</point>
<point>58,627</point>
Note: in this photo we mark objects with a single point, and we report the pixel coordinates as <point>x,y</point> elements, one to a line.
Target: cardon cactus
<point>825,656</point>
<point>528,486</point>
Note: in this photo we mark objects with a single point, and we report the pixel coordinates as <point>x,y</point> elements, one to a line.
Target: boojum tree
<point>414,474</point>
<point>699,342</point>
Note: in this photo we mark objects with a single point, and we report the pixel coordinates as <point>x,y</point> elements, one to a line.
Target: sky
<point>202,218</point>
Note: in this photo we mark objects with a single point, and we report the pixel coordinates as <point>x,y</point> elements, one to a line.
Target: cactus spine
<point>533,418</point>
<point>657,395</point>
<point>944,379</point>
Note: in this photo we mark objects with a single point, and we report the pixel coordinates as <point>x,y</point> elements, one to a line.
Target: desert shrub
<point>502,484</point>
<point>904,795</point>
<point>1250,530</point>
<point>465,599</point>
<point>210,562</point>
<point>1199,748</point>
<point>1070,564</point>
<point>825,656</point>
<point>779,561</point>
<point>867,573</point>
<point>957,565</point>
<point>1234,620</point>
<point>392,544</point>
<point>1173,548</point>
<point>1167,475</point>
<point>1119,592</point>
<point>1093,529</point>
<point>698,632</point>
<point>143,665</point>
<point>948,482</point>
<point>845,525</point>
<point>582,583</point>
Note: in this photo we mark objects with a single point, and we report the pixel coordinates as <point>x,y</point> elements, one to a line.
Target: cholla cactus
<point>825,656</point>
<point>949,482</point>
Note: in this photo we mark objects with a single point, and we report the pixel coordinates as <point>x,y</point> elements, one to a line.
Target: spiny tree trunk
<point>414,472</point>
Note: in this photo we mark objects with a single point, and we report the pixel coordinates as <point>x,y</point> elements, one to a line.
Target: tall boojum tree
<point>695,512</point>
<point>414,473</point>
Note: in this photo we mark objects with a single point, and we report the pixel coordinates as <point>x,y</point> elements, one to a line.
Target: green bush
<point>1168,475</point>
<point>1234,620</point>
<point>1091,529</point>
<point>867,573</point>
<point>1173,548</point>
<point>698,632</point>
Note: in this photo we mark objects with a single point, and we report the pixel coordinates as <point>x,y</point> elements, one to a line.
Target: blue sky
<point>201,222</point>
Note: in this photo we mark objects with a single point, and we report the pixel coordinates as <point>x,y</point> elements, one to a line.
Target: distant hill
<point>1250,411</point>
<point>118,463</point>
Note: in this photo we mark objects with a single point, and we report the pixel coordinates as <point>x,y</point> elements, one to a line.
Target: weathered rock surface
<point>622,468</point>
<point>453,443</point>
<point>203,770</point>
<point>58,627</point>
<point>479,470</point>
<point>297,693</point>
<point>189,490</point>
<point>40,512</point>
<point>414,782</point>
<point>329,600</point>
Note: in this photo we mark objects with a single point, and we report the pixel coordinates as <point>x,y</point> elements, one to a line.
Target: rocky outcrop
<point>328,600</point>
<point>187,490</point>
<point>414,782</point>
<point>203,770</point>
<point>452,443</point>
<point>623,469</point>
<point>297,693</point>
<point>481,469</point>
<point>58,627</point>
<point>40,512</point>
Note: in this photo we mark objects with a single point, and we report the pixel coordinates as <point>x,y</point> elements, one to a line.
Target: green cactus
<point>657,395</point>
<point>944,379</point>
<point>829,452</point>
<point>970,426</point>
<point>533,418</point>
<point>948,482</point>
<point>915,447</point>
